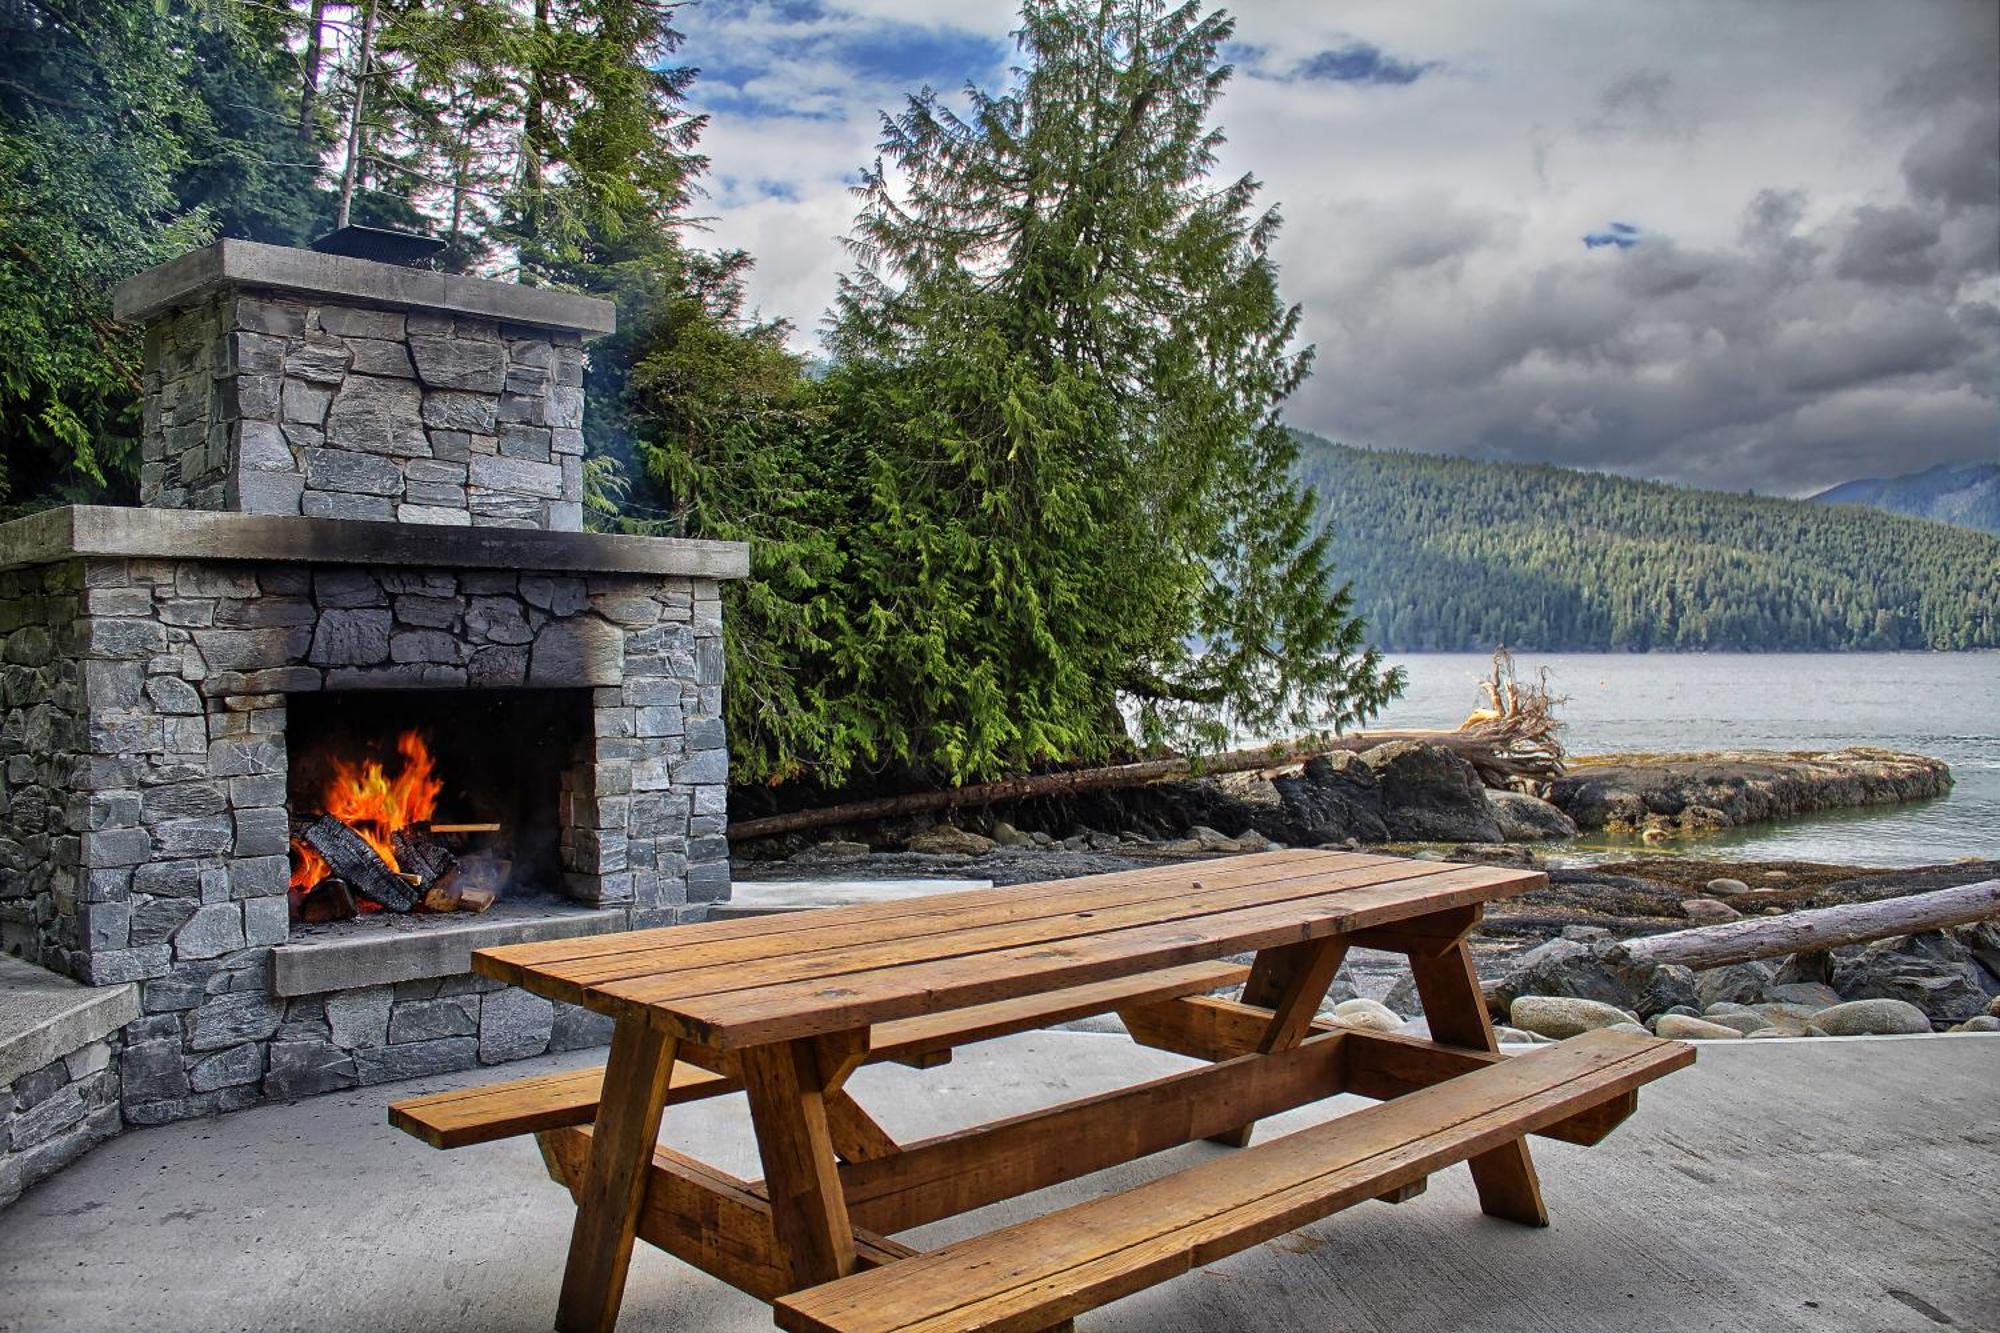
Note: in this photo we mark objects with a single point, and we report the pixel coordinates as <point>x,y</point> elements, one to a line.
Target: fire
<point>375,804</point>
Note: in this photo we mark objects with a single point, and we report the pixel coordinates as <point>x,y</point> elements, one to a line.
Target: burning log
<point>350,857</point>
<point>423,855</point>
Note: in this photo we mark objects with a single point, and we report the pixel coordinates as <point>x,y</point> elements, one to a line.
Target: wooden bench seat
<point>553,1101</point>
<point>1041,1272</point>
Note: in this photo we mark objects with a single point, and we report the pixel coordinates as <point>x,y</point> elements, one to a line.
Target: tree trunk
<point>1482,751</point>
<point>1822,928</point>
<point>315,51</point>
<point>352,168</point>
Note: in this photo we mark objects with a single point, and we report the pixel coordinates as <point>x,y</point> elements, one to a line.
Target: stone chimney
<point>285,381</point>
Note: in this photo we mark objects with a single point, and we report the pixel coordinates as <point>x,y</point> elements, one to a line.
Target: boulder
<point>1667,987</point>
<point>1430,794</point>
<point>1875,1017</point>
<point>1978,1023</point>
<point>1744,1021</point>
<point>1507,1036</point>
<point>1709,911</point>
<point>1006,835</point>
<point>1564,967</point>
<point>1993,1009</point>
<point>1742,983</point>
<point>1565,1016</point>
<point>1812,994</point>
<point>949,840</point>
<point>1682,1028</point>
<point>1367,1016</point>
<point>1931,970</point>
<point>1525,818</point>
<point>831,852</point>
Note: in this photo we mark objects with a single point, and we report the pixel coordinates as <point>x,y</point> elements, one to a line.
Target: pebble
<point>1862,1018</point>
<point>1709,911</point>
<point>1367,1016</point>
<point>1723,888</point>
<point>1680,1027</point>
<point>1565,1016</point>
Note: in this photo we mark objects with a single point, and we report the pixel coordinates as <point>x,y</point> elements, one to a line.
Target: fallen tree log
<point>1821,928</point>
<point>1484,744</point>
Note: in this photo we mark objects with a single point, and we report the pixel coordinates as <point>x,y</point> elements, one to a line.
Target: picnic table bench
<point>784,1009</point>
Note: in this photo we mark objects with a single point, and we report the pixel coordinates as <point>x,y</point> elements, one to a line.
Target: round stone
<point>1565,1016</point>
<point>1862,1018</point>
<point>1680,1027</point>
<point>1709,911</point>
<point>1723,888</point>
<point>1367,1015</point>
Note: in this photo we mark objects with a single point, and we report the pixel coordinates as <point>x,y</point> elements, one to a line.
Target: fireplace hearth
<point>357,592</point>
<point>426,802</point>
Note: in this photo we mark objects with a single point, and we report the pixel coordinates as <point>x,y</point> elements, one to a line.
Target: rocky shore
<point>1686,793</point>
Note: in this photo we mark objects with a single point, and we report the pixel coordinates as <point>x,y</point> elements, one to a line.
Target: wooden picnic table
<point>784,1008</point>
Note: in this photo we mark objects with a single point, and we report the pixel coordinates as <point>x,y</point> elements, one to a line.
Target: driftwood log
<point>1485,745</point>
<point>1821,928</point>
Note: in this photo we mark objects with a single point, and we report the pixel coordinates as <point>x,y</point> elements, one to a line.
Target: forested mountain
<point>1967,494</point>
<point>1450,554</point>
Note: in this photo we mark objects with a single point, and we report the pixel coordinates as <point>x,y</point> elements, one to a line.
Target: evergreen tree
<point>1060,360</point>
<point>91,121</point>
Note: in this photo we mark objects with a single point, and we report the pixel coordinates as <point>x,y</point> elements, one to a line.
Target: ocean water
<point>1946,705</point>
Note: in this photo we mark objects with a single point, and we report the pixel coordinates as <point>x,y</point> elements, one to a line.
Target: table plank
<point>974,904</point>
<point>735,1018</point>
<point>674,978</point>
<point>573,966</point>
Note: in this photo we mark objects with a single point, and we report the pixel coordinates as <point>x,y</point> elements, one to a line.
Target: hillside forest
<point>1039,508</point>
<point>1449,554</point>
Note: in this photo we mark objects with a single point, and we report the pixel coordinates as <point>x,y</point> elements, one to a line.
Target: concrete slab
<point>196,534</point>
<point>1811,1188</point>
<point>763,897</point>
<point>373,953</point>
<point>44,1017</point>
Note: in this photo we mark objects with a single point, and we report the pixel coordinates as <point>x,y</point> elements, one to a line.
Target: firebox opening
<point>424,801</point>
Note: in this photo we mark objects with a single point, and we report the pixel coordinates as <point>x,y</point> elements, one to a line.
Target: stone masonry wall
<point>154,765</point>
<point>51,1116</point>
<point>271,404</point>
<point>42,736</point>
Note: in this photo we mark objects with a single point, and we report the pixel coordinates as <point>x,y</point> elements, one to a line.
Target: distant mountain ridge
<point>1450,555</point>
<point>1967,494</point>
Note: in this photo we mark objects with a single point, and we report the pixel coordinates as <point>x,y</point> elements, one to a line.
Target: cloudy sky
<point>1731,243</point>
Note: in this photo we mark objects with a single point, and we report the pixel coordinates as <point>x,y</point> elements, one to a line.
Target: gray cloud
<point>1814,295</point>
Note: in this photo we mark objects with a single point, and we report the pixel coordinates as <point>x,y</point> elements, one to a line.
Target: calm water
<point>1942,704</point>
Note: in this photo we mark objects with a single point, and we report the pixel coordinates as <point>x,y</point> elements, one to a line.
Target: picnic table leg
<point>1289,980</point>
<point>621,1152</point>
<point>1448,984</point>
<point>787,1085</point>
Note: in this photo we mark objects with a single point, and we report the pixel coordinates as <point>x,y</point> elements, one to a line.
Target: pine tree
<point>1062,353</point>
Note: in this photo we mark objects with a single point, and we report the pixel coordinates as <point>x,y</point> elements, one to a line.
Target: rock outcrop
<point>1685,793</point>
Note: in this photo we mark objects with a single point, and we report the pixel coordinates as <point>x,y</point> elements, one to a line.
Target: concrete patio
<point>1778,1185</point>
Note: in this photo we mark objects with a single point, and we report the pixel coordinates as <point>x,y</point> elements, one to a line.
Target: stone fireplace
<point>362,509</point>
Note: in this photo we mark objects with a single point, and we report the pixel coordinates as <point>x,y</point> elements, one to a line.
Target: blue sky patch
<point>1362,63</point>
<point>1622,235</point>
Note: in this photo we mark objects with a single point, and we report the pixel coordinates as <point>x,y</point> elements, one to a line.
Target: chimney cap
<point>312,275</point>
<point>386,245</point>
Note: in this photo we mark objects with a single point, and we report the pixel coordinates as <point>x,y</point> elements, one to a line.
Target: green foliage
<point>1447,554</point>
<point>1059,364</point>
<point>89,105</point>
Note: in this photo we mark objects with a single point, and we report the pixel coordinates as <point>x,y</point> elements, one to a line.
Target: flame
<point>374,804</point>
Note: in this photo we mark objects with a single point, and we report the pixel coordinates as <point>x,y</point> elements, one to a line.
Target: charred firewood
<point>350,857</point>
<point>424,855</point>
<point>328,900</point>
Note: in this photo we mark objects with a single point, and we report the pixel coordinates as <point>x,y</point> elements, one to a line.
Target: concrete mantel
<point>192,534</point>
<point>282,268</point>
